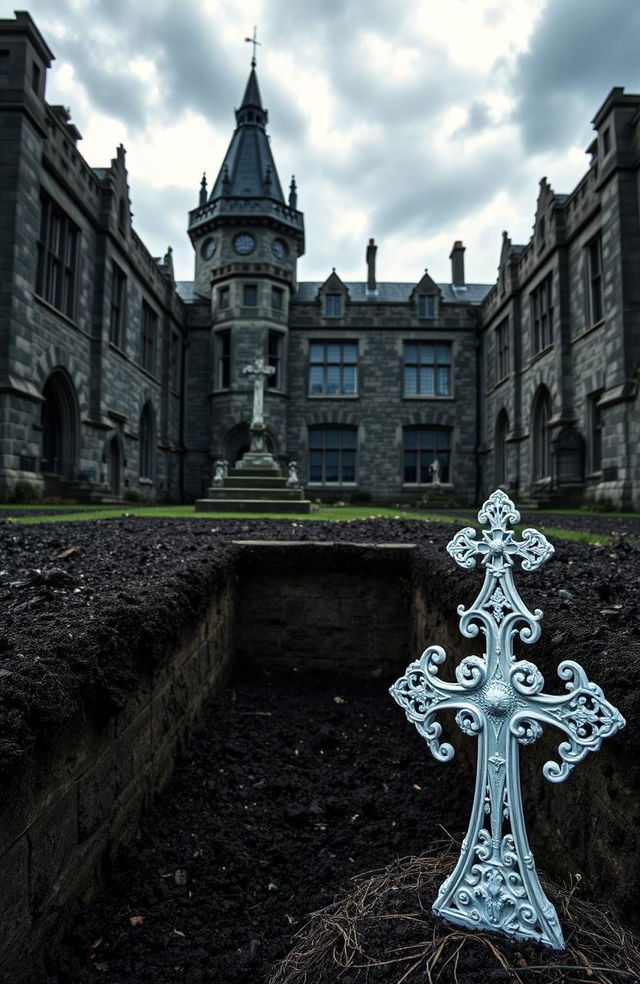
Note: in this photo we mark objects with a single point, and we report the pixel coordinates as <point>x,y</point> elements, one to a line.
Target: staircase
<point>254,490</point>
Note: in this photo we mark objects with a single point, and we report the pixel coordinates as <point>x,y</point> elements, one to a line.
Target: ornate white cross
<point>259,370</point>
<point>499,699</point>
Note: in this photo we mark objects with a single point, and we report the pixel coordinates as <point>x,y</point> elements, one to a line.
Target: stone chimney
<point>457,264</point>
<point>372,287</point>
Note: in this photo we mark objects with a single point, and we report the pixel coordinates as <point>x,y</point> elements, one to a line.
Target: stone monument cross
<point>499,699</point>
<point>259,370</point>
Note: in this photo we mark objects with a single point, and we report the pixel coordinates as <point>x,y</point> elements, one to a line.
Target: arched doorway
<point>500,444</point>
<point>114,465</point>
<point>59,422</point>
<point>541,444</point>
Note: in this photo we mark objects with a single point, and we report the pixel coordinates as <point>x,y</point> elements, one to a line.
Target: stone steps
<point>254,505</point>
<point>254,493</point>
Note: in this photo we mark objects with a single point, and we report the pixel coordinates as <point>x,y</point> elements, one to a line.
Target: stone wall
<point>82,796</point>
<point>324,605</point>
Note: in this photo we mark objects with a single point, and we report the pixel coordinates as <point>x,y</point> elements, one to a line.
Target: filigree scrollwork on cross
<point>499,699</point>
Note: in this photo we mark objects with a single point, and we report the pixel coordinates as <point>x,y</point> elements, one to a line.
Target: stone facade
<point>116,380</point>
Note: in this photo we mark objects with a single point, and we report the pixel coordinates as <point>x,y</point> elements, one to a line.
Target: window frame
<point>595,281</point>
<point>421,364</point>
<point>275,350</point>
<point>118,309</point>
<point>346,455</point>
<point>149,322</point>
<point>224,297</point>
<point>58,255</point>
<point>342,364</point>
<point>277,292</point>
<point>250,290</point>
<point>223,345</point>
<point>333,300</point>
<point>432,451</point>
<point>427,307</point>
<point>503,350</point>
<point>542,315</point>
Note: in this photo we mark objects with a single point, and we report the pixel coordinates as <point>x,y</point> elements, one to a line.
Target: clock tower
<point>247,239</point>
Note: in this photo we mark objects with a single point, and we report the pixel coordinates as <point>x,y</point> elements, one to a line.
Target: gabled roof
<point>248,169</point>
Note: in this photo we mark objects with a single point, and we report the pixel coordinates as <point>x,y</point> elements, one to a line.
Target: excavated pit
<point>316,632</point>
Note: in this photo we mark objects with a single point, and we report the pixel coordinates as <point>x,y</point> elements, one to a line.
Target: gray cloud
<point>579,49</point>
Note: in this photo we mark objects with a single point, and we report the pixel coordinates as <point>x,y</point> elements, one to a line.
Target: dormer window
<point>4,62</point>
<point>426,306</point>
<point>606,140</point>
<point>333,305</point>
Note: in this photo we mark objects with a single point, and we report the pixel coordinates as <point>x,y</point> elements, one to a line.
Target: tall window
<point>540,433</point>
<point>502,349</point>
<point>277,298</point>
<point>332,454</point>
<point>223,298</point>
<point>275,359</point>
<point>595,430</point>
<point>502,429</point>
<point>175,362</point>
<point>118,300</point>
<point>223,340</point>
<point>542,315</point>
<point>422,447</point>
<point>333,305</point>
<point>147,441</point>
<point>333,368</point>
<point>57,257</point>
<point>148,337</point>
<point>594,274</point>
<point>427,368</point>
<point>426,306</point>
<point>250,295</point>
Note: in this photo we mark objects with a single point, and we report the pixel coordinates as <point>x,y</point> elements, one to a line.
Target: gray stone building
<point>116,379</point>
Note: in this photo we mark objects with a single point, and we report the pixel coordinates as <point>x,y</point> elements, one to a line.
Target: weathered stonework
<point>86,411</point>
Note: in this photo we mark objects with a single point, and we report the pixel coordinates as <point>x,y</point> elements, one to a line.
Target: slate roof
<point>249,154</point>
<point>184,289</point>
<point>397,293</point>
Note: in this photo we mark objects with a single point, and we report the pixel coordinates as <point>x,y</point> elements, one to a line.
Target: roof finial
<point>254,41</point>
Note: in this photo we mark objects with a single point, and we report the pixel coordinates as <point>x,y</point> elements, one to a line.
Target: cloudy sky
<point>417,122</point>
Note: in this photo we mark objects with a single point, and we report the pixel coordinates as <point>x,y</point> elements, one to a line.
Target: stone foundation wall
<point>324,606</point>
<point>62,822</point>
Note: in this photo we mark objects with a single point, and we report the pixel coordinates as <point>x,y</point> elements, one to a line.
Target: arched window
<point>59,421</point>
<point>500,445</point>
<point>541,447</point>
<point>147,442</point>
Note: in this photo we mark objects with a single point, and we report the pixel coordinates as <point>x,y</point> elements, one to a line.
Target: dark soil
<point>270,813</point>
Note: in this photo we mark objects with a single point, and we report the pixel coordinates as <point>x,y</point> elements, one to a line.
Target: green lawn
<point>333,513</point>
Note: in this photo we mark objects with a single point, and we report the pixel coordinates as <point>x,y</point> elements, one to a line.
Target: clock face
<point>279,249</point>
<point>244,243</point>
<point>208,248</point>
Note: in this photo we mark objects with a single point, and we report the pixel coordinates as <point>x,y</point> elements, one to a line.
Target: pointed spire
<point>203,189</point>
<point>293,193</point>
<point>251,108</point>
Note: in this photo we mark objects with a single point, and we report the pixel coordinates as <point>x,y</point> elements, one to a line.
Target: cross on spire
<point>254,41</point>
<point>499,700</point>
